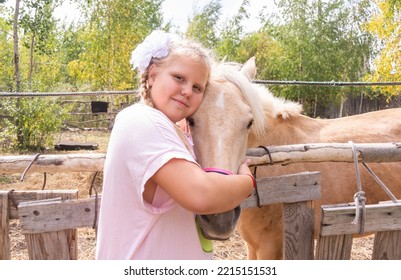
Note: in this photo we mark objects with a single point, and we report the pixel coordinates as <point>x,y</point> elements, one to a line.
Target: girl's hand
<point>243,168</point>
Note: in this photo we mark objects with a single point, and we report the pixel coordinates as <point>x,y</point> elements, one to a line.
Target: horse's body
<point>223,118</point>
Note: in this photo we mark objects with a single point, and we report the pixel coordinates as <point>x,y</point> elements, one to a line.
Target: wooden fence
<point>49,219</point>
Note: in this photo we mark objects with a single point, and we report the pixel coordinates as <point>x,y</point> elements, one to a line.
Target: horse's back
<point>373,127</point>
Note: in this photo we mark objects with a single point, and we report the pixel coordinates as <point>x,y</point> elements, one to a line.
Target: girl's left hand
<point>243,168</point>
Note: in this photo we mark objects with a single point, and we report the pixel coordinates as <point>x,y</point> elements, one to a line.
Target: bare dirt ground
<point>232,249</point>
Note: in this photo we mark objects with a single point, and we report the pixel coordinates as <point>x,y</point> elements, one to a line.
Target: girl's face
<point>177,87</point>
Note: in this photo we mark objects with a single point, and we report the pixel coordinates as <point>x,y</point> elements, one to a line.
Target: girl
<point>152,184</point>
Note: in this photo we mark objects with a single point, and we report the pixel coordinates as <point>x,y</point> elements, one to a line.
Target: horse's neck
<point>292,130</point>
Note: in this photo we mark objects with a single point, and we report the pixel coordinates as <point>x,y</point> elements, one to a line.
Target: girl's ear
<point>152,74</point>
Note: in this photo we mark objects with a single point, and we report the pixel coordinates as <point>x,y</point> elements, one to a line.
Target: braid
<point>144,88</point>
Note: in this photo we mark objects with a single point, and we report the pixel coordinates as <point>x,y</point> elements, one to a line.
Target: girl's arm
<point>201,192</point>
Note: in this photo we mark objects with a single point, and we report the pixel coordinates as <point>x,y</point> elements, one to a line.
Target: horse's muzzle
<point>219,226</point>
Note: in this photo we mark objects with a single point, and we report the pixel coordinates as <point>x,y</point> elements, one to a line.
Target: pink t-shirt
<point>142,141</point>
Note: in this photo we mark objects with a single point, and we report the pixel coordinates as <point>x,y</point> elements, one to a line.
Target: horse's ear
<point>249,69</point>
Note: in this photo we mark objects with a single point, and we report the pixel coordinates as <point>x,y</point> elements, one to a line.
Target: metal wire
<point>270,82</point>
<point>47,94</point>
<point>330,83</point>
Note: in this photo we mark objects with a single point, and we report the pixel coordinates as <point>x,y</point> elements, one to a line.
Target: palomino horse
<point>236,115</point>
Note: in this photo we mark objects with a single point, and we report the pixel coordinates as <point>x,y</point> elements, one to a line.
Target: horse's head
<point>231,108</point>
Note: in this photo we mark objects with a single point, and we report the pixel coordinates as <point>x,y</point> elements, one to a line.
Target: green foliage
<point>385,24</point>
<point>311,40</point>
<point>32,123</point>
<point>39,25</point>
<point>317,41</point>
<point>203,25</point>
<point>113,30</point>
<point>6,56</point>
<point>232,34</point>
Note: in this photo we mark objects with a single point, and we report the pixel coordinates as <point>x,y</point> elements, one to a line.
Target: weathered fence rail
<point>53,163</point>
<point>323,152</point>
<point>287,154</point>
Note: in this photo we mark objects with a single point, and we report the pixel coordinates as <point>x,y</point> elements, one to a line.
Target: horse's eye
<point>250,124</point>
<point>191,122</point>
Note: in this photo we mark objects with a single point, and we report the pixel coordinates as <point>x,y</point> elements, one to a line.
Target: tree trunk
<point>31,61</point>
<point>360,104</point>
<point>343,99</point>
<point>20,138</point>
<point>16,52</point>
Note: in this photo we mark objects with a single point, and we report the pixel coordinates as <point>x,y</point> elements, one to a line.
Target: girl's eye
<point>198,89</point>
<point>178,78</point>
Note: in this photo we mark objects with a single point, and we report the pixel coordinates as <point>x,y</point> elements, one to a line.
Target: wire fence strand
<point>84,93</point>
<point>327,83</point>
<point>267,82</point>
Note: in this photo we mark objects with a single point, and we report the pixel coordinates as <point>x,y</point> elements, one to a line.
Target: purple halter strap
<point>218,170</point>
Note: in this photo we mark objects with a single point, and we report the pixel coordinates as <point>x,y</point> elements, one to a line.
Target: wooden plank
<point>324,152</point>
<point>288,189</point>
<point>24,196</point>
<point>387,245</point>
<point>60,245</point>
<point>337,220</point>
<point>299,223</point>
<point>5,251</point>
<point>73,146</point>
<point>336,247</point>
<point>45,216</point>
<point>53,163</point>
<point>56,245</point>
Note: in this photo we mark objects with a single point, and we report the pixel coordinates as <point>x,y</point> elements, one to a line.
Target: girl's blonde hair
<point>176,49</point>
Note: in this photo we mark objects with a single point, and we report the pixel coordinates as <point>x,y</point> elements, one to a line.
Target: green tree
<point>6,55</point>
<point>33,122</point>
<point>110,33</point>
<point>232,33</point>
<point>321,41</point>
<point>39,27</point>
<point>271,57</point>
<point>385,24</point>
<point>203,24</point>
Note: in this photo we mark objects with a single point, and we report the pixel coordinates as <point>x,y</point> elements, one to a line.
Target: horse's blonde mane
<point>278,107</point>
<point>259,98</point>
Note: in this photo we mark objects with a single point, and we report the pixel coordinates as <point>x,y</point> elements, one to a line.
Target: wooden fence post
<point>296,191</point>
<point>5,253</point>
<point>299,226</point>
<point>387,245</point>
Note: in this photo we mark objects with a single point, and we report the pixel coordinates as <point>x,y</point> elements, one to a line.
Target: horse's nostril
<point>237,213</point>
<point>206,218</point>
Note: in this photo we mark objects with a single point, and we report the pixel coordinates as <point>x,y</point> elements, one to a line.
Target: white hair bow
<point>155,45</point>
